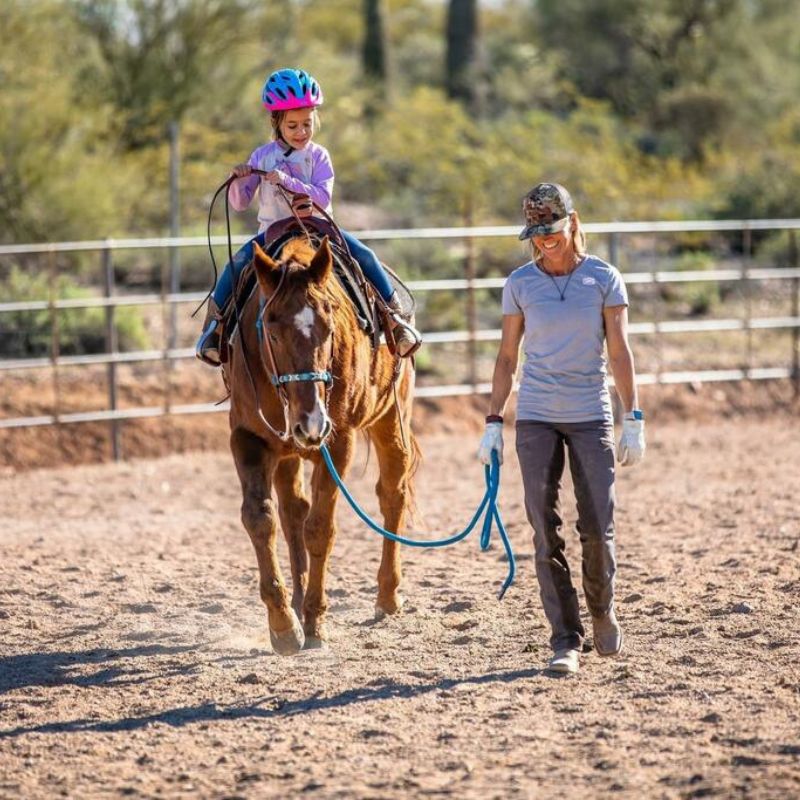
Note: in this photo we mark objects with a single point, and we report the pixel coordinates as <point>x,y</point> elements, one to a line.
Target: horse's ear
<point>322,263</point>
<point>267,270</point>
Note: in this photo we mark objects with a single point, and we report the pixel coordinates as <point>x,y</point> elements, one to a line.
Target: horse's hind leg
<point>320,533</point>
<point>293,508</point>
<point>394,495</point>
<point>256,464</point>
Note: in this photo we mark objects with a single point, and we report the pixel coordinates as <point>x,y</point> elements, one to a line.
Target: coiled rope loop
<point>487,505</point>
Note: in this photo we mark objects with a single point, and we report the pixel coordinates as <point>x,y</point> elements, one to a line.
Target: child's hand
<point>273,177</point>
<point>241,171</point>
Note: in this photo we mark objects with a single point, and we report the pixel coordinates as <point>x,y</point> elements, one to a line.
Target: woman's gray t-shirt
<point>564,374</point>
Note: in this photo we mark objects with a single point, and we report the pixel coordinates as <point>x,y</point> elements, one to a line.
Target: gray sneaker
<point>607,634</point>
<point>565,662</point>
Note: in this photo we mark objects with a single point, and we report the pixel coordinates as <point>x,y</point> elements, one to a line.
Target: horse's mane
<point>300,249</point>
<point>295,258</point>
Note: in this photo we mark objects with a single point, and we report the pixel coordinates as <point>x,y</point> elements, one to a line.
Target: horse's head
<point>297,333</point>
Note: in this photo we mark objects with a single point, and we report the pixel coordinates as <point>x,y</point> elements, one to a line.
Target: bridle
<point>280,379</point>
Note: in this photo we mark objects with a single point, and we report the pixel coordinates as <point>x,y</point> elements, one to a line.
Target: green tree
<point>763,183</point>
<point>375,51</point>
<point>26,334</point>
<point>462,52</point>
<point>58,168</point>
<point>691,73</point>
<point>161,58</point>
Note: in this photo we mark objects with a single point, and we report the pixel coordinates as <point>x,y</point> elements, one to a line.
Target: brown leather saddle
<point>371,312</point>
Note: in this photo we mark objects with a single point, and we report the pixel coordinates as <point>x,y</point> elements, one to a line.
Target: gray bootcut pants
<point>540,449</point>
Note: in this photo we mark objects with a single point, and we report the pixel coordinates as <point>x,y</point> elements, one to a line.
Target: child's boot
<point>407,338</point>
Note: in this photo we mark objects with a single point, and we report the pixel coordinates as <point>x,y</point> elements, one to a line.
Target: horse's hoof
<point>316,635</point>
<point>393,605</point>
<point>315,643</point>
<point>288,643</point>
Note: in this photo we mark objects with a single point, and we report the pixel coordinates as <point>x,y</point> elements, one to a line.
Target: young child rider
<point>292,160</point>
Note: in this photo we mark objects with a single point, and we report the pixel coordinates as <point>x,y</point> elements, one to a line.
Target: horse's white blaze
<point>317,420</point>
<point>304,321</point>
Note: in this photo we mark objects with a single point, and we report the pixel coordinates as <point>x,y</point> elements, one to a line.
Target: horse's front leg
<point>256,464</point>
<point>320,533</point>
<point>293,507</point>
<point>394,494</point>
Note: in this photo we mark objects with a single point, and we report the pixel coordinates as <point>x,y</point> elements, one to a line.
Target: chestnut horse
<point>302,372</point>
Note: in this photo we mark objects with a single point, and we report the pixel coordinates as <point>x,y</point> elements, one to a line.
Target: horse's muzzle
<point>312,431</point>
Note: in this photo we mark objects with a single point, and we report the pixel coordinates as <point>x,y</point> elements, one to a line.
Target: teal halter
<point>291,377</point>
<point>279,379</point>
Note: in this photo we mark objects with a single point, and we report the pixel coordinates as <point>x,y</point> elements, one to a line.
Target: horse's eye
<point>272,337</point>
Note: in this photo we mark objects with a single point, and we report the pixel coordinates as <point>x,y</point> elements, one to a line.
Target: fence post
<point>112,348</point>
<point>166,323</point>
<point>174,229</point>
<point>657,315</point>
<point>747,251</point>
<point>613,249</point>
<point>794,261</point>
<point>472,311</point>
<point>55,335</point>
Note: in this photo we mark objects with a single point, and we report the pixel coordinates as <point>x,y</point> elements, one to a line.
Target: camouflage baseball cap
<point>546,208</point>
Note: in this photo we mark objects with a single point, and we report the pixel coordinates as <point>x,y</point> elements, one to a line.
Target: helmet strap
<point>283,143</point>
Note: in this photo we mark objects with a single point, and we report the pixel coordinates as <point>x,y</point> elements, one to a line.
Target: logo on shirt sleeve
<point>588,281</point>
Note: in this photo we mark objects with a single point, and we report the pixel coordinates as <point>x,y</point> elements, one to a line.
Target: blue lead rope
<point>488,504</point>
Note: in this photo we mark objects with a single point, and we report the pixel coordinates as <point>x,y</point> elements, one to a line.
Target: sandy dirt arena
<point>134,655</point>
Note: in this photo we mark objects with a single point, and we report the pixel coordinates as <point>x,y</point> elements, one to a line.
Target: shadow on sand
<point>54,668</point>
<point>269,707</point>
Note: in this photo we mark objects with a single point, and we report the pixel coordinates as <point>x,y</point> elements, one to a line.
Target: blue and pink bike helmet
<point>287,89</point>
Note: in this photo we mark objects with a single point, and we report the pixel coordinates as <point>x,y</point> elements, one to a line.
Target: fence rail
<point>474,232</point>
<point>472,335</point>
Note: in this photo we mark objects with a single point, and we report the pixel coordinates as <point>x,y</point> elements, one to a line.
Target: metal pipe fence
<point>745,276</point>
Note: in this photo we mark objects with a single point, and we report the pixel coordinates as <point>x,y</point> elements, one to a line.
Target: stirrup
<point>411,334</point>
<point>207,348</point>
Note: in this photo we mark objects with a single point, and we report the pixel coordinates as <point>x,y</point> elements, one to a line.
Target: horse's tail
<point>415,464</point>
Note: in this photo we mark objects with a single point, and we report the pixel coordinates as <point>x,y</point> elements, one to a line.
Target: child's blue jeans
<point>367,260</point>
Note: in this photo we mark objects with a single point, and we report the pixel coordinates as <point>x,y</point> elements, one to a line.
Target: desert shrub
<point>28,334</point>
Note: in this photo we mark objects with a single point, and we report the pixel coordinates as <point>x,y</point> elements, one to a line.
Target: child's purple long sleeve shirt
<point>308,170</point>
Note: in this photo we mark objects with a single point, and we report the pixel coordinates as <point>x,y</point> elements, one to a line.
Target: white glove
<point>631,446</point>
<point>492,440</point>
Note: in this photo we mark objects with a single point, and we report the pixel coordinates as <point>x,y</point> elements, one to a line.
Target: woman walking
<point>565,305</point>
